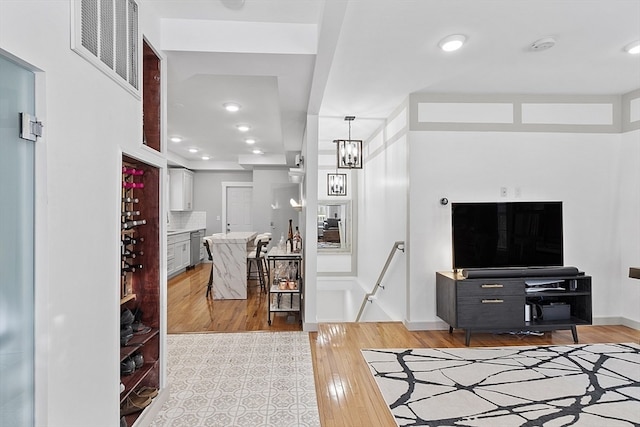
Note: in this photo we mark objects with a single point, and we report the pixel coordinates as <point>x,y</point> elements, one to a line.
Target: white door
<point>17,283</point>
<point>239,200</point>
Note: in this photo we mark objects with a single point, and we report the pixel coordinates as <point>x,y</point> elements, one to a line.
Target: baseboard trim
<point>631,323</point>
<point>613,320</point>
<point>309,327</point>
<point>438,325</point>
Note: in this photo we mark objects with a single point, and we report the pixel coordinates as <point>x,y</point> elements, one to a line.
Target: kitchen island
<point>229,253</point>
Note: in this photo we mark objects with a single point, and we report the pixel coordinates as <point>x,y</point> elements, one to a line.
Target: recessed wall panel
<point>472,112</point>
<point>567,114</point>
<point>634,107</point>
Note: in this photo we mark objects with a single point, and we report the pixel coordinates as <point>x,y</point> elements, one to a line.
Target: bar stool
<point>207,244</point>
<point>258,259</point>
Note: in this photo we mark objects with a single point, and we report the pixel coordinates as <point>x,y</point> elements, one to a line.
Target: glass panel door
<point>17,94</point>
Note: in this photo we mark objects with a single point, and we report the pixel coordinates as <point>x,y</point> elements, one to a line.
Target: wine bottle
<point>130,213</point>
<point>128,266</point>
<point>290,236</point>
<point>132,171</point>
<point>127,184</point>
<point>130,224</point>
<point>132,254</point>
<point>132,241</point>
<point>130,200</point>
<point>297,241</point>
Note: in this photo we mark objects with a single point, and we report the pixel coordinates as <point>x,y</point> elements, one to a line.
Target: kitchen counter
<point>229,252</point>
<point>173,232</point>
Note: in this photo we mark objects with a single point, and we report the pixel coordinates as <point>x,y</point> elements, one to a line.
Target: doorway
<point>237,200</point>
<point>17,224</point>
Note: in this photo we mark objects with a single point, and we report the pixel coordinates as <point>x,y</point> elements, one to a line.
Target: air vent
<point>105,32</point>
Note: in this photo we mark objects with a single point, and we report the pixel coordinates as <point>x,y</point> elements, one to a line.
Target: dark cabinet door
<point>491,311</point>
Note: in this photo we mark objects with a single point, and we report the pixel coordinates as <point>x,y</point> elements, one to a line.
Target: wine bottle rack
<point>131,219</point>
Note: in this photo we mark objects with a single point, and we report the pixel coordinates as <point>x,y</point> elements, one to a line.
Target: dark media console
<point>514,300</point>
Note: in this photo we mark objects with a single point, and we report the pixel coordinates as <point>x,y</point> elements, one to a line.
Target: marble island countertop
<point>233,237</point>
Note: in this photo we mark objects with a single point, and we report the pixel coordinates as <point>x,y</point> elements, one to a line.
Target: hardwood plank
<point>347,393</point>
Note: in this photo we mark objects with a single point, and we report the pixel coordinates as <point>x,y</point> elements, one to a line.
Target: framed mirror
<point>334,226</point>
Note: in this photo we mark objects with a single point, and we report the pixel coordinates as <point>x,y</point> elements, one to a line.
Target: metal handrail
<point>396,246</point>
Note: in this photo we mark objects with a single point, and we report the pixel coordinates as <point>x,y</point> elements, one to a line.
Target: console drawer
<point>491,311</point>
<point>488,287</point>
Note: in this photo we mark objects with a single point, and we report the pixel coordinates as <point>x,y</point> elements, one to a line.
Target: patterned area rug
<point>574,385</point>
<point>239,379</point>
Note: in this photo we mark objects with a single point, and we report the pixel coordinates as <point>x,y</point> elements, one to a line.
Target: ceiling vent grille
<point>105,33</point>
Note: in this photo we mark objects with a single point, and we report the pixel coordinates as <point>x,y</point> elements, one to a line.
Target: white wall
<point>382,217</point>
<point>265,218</point>
<point>207,194</point>
<point>579,169</point>
<point>88,120</point>
<point>629,227</point>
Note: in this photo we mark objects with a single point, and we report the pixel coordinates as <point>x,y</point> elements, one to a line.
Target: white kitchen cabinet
<point>184,248</point>
<point>180,190</point>
<point>178,252</point>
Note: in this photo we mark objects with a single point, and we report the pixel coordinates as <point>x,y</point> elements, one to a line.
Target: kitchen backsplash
<point>187,220</point>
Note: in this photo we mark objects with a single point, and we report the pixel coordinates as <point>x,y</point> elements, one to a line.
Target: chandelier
<point>349,151</point>
<point>337,184</point>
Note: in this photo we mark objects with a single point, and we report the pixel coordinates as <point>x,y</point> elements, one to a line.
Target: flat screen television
<point>509,234</point>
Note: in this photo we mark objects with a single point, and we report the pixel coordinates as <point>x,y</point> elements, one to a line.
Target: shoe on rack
<point>126,333</point>
<point>145,391</point>
<point>138,359</point>
<point>139,328</point>
<point>126,318</point>
<point>134,404</point>
<point>127,366</point>
<point>123,422</point>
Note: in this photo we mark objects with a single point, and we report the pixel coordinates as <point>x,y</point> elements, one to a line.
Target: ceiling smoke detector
<point>543,44</point>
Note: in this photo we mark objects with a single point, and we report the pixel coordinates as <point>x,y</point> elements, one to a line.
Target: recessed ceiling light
<point>176,139</point>
<point>633,47</point>
<point>205,157</point>
<point>193,150</point>
<point>452,42</point>
<point>250,141</point>
<point>257,152</point>
<point>543,44</point>
<point>243,128</point>
<point>232,107</point>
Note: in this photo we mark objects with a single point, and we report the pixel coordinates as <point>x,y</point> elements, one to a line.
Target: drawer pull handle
<point>492,301</point>
<point>492,285</point>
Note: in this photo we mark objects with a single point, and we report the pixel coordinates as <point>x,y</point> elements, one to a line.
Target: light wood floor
<point>346,391</point>
<point>190,311</point>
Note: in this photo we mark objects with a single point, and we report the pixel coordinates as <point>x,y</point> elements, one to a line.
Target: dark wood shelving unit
<point>140,289</point>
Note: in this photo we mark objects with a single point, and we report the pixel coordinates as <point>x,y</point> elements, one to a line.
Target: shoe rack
<point>140,277</point>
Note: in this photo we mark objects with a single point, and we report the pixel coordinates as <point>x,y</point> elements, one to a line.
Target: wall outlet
<point>503,191</point>
<point>218,218</point>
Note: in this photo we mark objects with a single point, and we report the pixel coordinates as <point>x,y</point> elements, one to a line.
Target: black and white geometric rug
<point>572,385</point>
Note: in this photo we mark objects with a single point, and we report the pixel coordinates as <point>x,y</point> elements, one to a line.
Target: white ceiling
<point>370,55</point>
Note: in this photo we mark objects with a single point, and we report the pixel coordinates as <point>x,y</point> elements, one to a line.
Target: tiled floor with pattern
<point>239,379</point>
